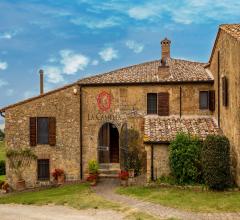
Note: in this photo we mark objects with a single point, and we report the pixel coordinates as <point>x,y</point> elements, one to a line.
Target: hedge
<point>2,167</point>
<point>216,162</point>
<point>185,159</point>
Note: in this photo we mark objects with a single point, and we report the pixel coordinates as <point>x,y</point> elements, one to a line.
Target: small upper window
<point>152,103</point>
<point>42,130</point>
<point>203,100</point>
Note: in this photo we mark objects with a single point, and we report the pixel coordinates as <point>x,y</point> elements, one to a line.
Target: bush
<point>185,159</point>
<point>216,162</point>
<point>93,167</point>
<point>2,135</point>
<point>2,167</point>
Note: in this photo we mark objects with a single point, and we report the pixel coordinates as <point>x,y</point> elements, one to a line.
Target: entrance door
<point>108,144</point>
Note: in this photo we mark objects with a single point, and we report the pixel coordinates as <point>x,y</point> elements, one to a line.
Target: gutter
<point>1,113</point>
<point>146,83</point>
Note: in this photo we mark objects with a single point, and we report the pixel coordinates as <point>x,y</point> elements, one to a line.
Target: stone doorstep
<point>109,166</point>
<point>110,170</point>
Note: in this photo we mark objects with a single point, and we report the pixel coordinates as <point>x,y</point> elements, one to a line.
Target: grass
<point>77,196</point>
<point>2,151</point>
<point>187,199</point>
<point>2,177</point>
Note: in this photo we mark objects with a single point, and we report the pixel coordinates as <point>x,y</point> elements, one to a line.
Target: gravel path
<point>51,212</point>
<point>107,188</point>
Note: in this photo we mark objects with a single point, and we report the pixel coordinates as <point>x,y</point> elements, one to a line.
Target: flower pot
<point>61,179</point>
<point>131,173</point>
<point>21,185</point>
<point>124,182</point>
<point>93,182</point>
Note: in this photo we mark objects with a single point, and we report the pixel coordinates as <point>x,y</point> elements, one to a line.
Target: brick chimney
<point>41,82</point>
<point>165,44</point>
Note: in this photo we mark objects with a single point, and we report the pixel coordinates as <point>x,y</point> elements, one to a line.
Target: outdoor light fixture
<point>75,91</point>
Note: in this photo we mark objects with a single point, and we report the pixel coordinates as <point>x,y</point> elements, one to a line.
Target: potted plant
<point>58,175</point>
<point>5,187</point>
<point>93,168</point>
<point>19,160</point>
<point>123,176</point>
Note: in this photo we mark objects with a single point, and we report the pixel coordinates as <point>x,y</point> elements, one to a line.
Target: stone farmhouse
<point>89,119</point>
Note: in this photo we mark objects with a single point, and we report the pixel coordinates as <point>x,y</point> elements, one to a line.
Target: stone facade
<point>228,49</point>
<point>64,105</point>
<point>79,111</point>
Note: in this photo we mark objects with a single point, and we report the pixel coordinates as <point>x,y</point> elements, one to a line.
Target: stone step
<point>109,166</point>
<point>109,171</point>
<point>102,175</point>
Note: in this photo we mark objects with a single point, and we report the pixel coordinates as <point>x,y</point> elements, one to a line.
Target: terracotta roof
<point>164,129</point>
<point>232,29</point>
<point>179,71</point>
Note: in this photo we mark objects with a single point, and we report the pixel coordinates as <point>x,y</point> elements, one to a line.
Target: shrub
<point>93,167</point>
<point>185,158</point>
<point>2,167</point>
<point>216,162</point>
<point>2,135</point>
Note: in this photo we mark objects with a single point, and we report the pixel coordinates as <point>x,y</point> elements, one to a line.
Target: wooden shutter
<point>163,104</point>
<point>212,100</point>
<point>52,131</point>
<point>224,91</point>
<point>33,131</point>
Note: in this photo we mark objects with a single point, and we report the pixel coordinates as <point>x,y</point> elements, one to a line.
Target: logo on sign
<point>104,101</point>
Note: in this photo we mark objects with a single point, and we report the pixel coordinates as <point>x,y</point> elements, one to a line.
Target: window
<point>158,103</point>
<point>43,169</point>
<point>203,100</point>
<point>224,91</point>
<point>42,130</point>
<point>152,103</point>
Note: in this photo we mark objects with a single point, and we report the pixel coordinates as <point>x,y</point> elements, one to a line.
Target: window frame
<point>47,177</point>
<point>152,93</point>
<point>200,106</point>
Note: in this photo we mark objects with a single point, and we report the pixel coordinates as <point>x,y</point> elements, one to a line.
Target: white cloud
<point>3,65</point>
<point>6,35</point>
<point>93,23</point>
<point>73,62</point>
<point>144,12</point>
<point>95,62</point>
<point>3,83</point>
<point>108,54</point>
<point>54,74</point>
<point>133,45</point>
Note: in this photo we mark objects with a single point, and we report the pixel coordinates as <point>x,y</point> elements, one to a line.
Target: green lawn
<point>2,177</point>
<point>2,150</point>
<point>187,199</point>
<point>78,196</point>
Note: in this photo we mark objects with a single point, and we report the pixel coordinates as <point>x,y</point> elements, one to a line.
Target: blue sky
<point>78,38</point>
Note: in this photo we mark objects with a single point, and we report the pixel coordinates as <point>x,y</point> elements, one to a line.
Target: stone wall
<point>64,105</point>
<point>229,48</point>
<point>128,105</point>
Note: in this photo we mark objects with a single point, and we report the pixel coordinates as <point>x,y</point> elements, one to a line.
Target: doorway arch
<point>108,143</point>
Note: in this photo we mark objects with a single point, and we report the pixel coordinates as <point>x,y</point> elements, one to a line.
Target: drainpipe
<point>81,160</point>
<point>152,162</point>
<point>180,102</point>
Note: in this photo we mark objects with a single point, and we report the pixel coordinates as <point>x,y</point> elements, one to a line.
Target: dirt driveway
<point>51,212</point>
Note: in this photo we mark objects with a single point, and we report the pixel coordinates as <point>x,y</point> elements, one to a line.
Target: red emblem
<point>104,101</point>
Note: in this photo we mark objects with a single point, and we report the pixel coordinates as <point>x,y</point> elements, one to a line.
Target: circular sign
<point>104,101</point>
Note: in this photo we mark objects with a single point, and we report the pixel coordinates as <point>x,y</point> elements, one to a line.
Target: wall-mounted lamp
<point>75,91</point>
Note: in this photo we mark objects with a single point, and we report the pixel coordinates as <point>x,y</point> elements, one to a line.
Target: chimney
<point>41,81</point>
<point>165,44</point>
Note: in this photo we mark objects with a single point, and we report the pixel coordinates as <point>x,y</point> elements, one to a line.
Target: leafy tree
<point>2,135</point>
<point>216,162</point>
<point>185,160</point>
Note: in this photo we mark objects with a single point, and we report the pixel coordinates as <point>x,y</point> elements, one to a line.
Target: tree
<point>185,162</point>
<point>216,162</point>
<point>2,135</point>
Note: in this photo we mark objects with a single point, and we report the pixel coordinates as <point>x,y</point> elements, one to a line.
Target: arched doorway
<point>108,144</point>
